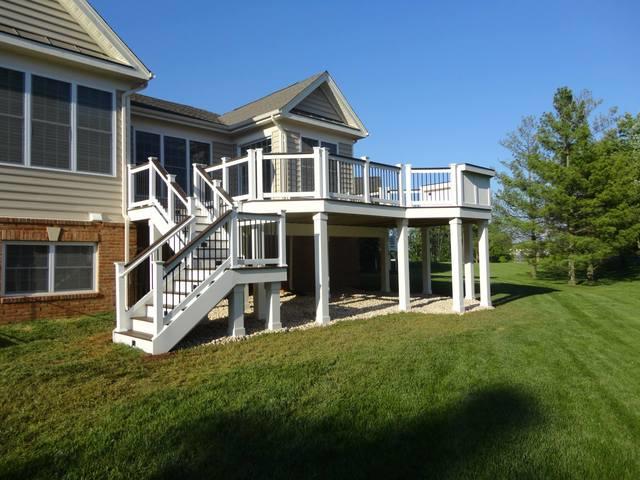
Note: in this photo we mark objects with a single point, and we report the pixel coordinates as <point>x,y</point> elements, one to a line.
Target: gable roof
<point>63,27</point>
<point>269,103</point>
<point>181,109</point>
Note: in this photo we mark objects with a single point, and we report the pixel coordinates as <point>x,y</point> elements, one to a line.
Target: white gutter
<point>125,141</point>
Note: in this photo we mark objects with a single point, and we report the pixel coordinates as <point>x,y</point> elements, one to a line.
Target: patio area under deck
<point>326,219</point>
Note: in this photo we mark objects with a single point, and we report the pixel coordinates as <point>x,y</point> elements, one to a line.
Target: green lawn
<point>547,385</point>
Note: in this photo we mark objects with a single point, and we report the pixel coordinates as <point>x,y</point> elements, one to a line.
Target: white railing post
<point>123,323</point>
<point>194,179</point>
<point>130,184</point>
<point>460,187</point>
<point>317,172</point>
<point>191,211</point>
<point>282,239</point>
<point>324,170</point>
<point>152,180</point>
<point>158,296</point>
<point>366,187</point>
<point>453,181</point>
<point>215,198</point>
<point>233,237</point>
<point>171,199</point>
<point>407,185</point>
<point>225,174</point>
<point>401,180</point>
<point>251,173</point>
<point>259,174</point>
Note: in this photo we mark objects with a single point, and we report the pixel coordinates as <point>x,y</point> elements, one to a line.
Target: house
<point>192,206</point>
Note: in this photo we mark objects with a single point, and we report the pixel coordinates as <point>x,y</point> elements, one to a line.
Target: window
<point>95,124</point>
<point>147,145</point>
<point>199,152</point>
<point>49,268</point>
<point>175,159</point>
<point>264,144</point>
<point>50,123</point>
<point>332,147</point>
<point>11,116</point>
<point>309,143</point>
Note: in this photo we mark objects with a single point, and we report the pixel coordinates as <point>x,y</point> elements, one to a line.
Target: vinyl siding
<point>276,137</point>
<point>48,22</point>
<point>317,103</point>
<point>293,140</point>
<point>47,194</point>
<point>223,150</point>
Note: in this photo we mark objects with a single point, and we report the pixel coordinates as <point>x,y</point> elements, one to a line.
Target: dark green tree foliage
<point>572,190</point>
<point>519,204</point>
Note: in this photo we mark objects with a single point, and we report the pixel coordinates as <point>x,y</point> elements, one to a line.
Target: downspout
<point>125,140</point>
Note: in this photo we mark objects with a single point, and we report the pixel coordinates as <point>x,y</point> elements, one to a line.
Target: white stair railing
<point>209,194</point>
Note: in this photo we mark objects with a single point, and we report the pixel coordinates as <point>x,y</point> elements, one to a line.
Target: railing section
<point>430,186</point>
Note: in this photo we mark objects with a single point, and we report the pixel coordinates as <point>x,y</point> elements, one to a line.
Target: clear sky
<point>434,82</point>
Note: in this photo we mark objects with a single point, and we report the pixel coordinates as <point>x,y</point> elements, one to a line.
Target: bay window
<point>32,268</point>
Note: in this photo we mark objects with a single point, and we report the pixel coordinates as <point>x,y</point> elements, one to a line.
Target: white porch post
<point>456,265</point>
<point>426,262</point>
<point>273,300</point>
<point>321,254</point>
<point>404,298</point>
<point>260,301</point>
<point>469,278</point>
<point>123,322</point>
<point>483,260</point>
<point>236,311</point>
<point>246,297</point>
<point>385,263</point>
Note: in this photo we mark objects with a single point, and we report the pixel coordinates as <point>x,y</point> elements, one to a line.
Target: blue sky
<point>434,82</point>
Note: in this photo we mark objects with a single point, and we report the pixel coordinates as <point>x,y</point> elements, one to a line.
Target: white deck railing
<point>322,175</point>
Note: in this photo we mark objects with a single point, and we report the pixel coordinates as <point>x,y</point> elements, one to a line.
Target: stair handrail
<point>203,184</point>
<point>155,246</point>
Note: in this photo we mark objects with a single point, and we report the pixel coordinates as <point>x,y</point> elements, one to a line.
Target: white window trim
<point>51,270</point>
<point>26,151</point>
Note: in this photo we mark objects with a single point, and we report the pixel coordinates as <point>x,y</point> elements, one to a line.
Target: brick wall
<point>109,238</point>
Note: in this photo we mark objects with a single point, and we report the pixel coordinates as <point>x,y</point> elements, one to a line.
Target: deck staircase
<point>207,249</point>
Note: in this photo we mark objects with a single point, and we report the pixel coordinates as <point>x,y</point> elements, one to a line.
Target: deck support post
<point>321,254</point>
<point>483,260</point>
<point>260,301</point>
<point>273,301</point>
<point>426,262</point>
<point>385,263</point>
<point>455,226</point>
<point>469,278</point>
<point>404,295</point>
<point>236,311</point>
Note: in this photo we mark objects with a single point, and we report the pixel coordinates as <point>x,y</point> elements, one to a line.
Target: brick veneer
<point>109,238</point>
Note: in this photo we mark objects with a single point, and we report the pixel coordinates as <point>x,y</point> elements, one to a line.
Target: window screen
<point>199,152</point>
<point>94,120</point>
<point>147,145</point>
<point>73,268</point>
<point>308,144</point>
<point>50,123</point>
<point>27,269</point>
<point>175,159</point>
<point>11,115</point>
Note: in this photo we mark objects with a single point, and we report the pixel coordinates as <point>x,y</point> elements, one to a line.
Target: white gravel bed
<point>297,312</point>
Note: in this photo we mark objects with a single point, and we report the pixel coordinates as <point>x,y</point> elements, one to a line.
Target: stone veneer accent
<point>109,238</point>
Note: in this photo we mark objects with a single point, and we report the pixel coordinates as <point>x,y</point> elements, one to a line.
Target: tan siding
<point>48,19</point>
<point>345,149</point>
<point>318,103</point>
<point>276,146</point>
<point>293,140</point>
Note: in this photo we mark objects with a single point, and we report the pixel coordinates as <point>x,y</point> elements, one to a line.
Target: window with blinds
<point>147,145</point>
<point>175,159</point>
<point>50,123</point>
<point>264,144</point>
<point>11,116</point>
<point>94,130</point>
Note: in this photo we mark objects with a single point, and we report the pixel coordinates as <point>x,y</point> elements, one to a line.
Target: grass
<point>547,385</point>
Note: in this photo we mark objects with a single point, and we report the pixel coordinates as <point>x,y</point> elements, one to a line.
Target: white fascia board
<point>71,57</point>
<point>422,213</point>
<point>104,35</point>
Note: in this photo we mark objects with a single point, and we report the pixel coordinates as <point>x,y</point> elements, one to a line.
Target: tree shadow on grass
<point>466,437</point>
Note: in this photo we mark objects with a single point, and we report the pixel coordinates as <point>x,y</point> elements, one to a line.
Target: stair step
<point>143,319</point>
<point>138,335</point>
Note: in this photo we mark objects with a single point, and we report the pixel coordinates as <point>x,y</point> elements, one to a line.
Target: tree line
<point>569,196</point>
